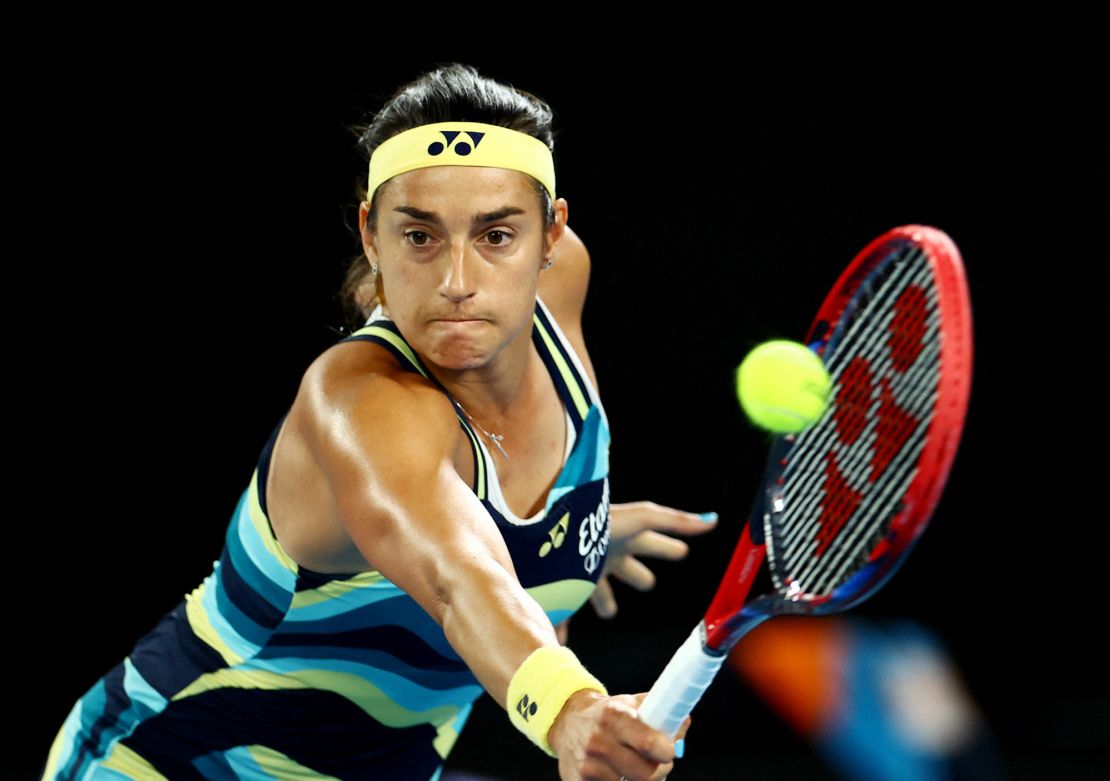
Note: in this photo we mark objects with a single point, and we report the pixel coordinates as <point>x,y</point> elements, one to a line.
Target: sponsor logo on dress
<point>593,533</point>
<point>557,534</point>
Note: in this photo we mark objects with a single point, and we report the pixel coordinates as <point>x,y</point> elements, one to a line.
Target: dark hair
<point>450,93</point>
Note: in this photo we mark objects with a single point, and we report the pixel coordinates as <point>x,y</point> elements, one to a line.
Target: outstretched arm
<point>386,446</point>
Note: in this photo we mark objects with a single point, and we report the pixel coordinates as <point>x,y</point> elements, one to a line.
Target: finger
<point>629,763</point>
<point>650,515</point>
<point>679,742</point>
<point>621,720</point>
<point>657,546</point>
<point>605,604</point>
<point>634,573</point>
<point>594,768</point>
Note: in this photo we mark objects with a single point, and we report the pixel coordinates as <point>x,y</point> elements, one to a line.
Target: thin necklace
<point>496,438</point>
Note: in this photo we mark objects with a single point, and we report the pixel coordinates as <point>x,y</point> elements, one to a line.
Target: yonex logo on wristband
<point>552,674</point>
<point>526,707</point>
<point>462,149</point>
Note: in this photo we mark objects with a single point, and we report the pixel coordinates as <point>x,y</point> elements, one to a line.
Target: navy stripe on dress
<point>348,743</point>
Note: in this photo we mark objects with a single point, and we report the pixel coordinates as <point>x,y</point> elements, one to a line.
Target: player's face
<point>460,250</point>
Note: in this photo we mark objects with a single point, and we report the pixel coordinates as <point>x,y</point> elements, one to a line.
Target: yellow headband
<point>461,143</point>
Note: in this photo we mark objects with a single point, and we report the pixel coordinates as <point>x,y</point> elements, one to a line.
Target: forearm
<point>493,624</point>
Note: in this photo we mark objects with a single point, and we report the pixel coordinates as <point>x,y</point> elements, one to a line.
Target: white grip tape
<point>681,685</point>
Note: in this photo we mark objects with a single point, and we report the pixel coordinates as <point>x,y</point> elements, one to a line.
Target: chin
<point>455,361</point>
<point>464,346</point>
<point>458,354</point>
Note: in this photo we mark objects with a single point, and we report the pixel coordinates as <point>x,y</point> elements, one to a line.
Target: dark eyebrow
<point>494,216</point>
<point>500,214</point>
<point>419,214</point>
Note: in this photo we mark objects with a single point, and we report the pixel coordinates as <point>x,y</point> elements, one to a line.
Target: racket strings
<point>846,476</point>
<point>843,354</point>
<point>812,444</point>
<point>884,452</point>
<point>813,441</point>
<point>855,506</point>
<point>824,573</point>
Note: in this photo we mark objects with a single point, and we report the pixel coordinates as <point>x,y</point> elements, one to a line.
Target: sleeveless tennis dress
<point>271,671</point>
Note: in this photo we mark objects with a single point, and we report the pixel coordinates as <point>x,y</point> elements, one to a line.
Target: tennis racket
<point>842,503</point>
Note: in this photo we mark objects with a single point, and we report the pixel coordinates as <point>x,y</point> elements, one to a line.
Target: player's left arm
<point>636,529</point>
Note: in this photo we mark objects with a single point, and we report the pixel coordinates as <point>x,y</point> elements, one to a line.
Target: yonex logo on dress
<point>558,533</point>
<point>462,148</point>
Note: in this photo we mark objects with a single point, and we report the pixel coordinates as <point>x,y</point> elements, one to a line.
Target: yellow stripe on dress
<point>580,402</point>
<point>61,740</point>
<point>202,625</point>
<point>479,464</point>
<point>262,528</point>
<point>445,739</point>
<point>352,687</point>
<point>279,766</point>
<point>126,761</point>
<point>393,339</point>
<point>568,594</point>
<point>334,589</point>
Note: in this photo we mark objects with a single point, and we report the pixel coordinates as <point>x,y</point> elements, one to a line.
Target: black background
<point>196,198</point>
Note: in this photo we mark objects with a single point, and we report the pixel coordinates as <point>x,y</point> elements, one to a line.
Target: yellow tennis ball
<point>782,386</point>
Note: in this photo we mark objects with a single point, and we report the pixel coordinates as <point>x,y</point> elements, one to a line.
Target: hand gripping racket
<point>842,503</point>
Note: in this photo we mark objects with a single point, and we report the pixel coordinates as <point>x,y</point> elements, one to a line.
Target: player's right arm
<point>385,442</point>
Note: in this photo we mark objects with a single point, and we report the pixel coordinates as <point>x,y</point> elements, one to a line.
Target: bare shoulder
<point>563,287</point>
<point>356,405</point>
<point>372,455</point>
<point>359,426</point>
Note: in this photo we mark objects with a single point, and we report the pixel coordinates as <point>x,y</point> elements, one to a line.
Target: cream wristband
<point>541,686</point>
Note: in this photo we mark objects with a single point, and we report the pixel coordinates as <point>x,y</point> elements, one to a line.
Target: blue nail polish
<point>679,748</point>
<point>709,517</point>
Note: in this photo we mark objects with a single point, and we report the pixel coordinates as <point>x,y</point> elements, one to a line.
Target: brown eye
<point>497,238</point>
<point>417,238</point>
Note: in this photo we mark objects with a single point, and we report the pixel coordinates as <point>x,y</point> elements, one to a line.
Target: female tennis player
<point>434,503</point>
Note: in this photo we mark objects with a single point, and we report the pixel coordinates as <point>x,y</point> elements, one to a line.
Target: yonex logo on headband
<point>462,149</point>
<point>461,143</point>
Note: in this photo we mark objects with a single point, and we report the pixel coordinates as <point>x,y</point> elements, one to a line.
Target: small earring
<point>373,269</point>
<point>547,263</point>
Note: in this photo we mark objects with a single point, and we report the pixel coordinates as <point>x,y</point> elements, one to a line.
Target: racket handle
<point>678,689</point>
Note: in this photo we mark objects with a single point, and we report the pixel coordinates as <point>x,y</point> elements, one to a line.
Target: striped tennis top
<point>268,670</point>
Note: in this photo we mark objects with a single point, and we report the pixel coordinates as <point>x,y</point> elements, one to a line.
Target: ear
<point>555,234</point>
<point>368,235</point>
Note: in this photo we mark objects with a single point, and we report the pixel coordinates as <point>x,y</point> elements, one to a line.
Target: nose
<point>458,280</point>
